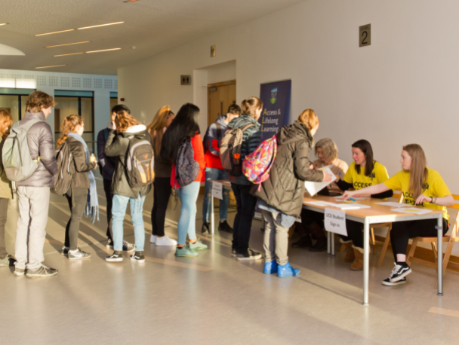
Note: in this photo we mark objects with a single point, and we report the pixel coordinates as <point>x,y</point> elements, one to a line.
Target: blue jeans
<point>213,174</point>
<point>188,196</point>
<point>119,211</point>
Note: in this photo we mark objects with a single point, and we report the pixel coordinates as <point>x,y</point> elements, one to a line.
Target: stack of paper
<point>314,187</point>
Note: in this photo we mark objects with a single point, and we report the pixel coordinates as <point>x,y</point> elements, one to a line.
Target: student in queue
<point>241,186</point>
<point>363,172</point>
<point>184,127</point>
<point>161,185</point>
<point>6,192</point>
<point>420,186</point>
<point>83,183</point>
<point>123,127</point>
<point>312,223</point>
<point>107,169</point>
<point>214,169</point>
<point>280,197</point>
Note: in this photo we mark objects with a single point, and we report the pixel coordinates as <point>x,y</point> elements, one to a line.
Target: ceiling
<point>151,26</point>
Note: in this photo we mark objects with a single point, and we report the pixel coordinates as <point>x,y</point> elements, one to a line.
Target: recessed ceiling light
<point>1,24</point>
<point>100,25</point>
<point>67,44</point>
<point>103,50</point>
<point>50,66</point>
<point>130,1</point>
<point>69,54</point>
<point>55,32</point>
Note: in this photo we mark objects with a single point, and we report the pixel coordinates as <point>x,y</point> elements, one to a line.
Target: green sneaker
<point>198,245</point>
<point>185,251</point>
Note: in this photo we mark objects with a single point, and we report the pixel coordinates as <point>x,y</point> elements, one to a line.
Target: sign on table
<point>335,221</point>
<point>217,190</point>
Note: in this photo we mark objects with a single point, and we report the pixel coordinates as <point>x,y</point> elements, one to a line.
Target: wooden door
<point>220,96</point>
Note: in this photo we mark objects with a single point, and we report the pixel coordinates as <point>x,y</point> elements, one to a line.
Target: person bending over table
<point>363,172</point>
<point>420,186</point>
<point>312,223</point>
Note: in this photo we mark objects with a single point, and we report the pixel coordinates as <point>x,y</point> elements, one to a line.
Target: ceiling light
<point>100,25</point>
<point>50,66</point>
<point>130,1</point>
<point>67,44</point>
<point>55,32</point>
<point>69,54</point>
<point>100,51</point>
<point>1,24</point>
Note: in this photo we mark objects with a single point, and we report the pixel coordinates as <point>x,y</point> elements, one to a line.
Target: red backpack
<point>257,164</point>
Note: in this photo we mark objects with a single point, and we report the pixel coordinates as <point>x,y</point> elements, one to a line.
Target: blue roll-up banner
<point>276,110</point>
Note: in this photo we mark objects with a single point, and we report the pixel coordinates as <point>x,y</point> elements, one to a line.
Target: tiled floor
<point>214,299</point>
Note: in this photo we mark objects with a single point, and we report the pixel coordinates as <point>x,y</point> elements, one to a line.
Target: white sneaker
<point>165,241</point>
<point>153,238</point>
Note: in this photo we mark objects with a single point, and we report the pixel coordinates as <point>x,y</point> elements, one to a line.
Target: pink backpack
<point>257,165</point>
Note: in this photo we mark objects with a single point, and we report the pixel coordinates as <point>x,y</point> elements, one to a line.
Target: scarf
<point>92,207</point>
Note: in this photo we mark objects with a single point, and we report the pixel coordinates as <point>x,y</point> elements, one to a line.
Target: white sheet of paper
<point>352,206</point>
<point>393,204</point>
<point>335,221</point>
<point>314,187</point>
<point>414,210</point>
<point>217,190</point>
<point>318,203</point>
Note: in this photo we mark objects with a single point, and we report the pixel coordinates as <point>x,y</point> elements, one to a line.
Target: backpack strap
<point>106,134</point>
<point>247,126</point>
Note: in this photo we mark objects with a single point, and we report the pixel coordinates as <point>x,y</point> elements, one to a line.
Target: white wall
<point>48,82</point>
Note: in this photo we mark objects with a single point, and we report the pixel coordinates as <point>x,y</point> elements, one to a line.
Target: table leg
<point>328,242</point>
<point>440,254</point>
<point>212,229</point>
<point>366,260</point>
<point>332,240</point>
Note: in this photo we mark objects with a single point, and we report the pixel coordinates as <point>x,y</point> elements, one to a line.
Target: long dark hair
<point>367,150</point>
<point>184,126</point>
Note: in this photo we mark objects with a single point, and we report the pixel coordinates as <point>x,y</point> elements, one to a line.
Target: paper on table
<point>315,187</point>
<point>393,204</point>
<point>414,210</point>
<point>352,206</point>
<point>340,198</point>
<point>318,203</point>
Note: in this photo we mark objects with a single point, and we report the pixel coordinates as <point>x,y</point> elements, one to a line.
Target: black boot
<point>303,242</point>
<point>205,228</point>
<point>319,246</point>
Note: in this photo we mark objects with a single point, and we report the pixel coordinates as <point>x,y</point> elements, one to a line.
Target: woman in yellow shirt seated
<point>420,186</point>
<point>363,172</point>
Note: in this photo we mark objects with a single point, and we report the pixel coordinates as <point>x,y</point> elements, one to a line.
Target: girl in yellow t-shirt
<point>420,186</point>
<point>363,172</point>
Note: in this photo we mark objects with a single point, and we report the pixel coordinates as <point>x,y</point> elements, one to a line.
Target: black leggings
<point>161,193</point>
<point>354,233</point>
<point>77,204</point>
<point>402,231</point>
<point>109,199</point>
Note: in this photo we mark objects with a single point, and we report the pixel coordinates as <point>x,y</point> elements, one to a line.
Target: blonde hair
<point>309,118</point>
<point>68,126</point>
<point>251,105</point>
<point>5,123</point>
<point>418,169</point>
<point>157,124</point>
<point>124,120</point>
<point>329,149</point>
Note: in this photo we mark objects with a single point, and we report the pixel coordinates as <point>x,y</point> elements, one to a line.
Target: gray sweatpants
<point>33,203</point>
<point>276,238</point>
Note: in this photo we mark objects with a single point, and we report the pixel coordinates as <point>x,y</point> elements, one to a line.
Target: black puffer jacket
<point>41,144</point>
<point>117,146</point>
<point>80,179</point>
<point>284,189</point>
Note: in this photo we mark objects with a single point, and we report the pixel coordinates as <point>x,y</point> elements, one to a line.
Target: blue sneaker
<point>287,271</point>
<point>270,267</point>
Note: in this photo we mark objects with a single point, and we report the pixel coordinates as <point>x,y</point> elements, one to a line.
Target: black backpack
<point>139,162</point>
<point>186,168</point>
<point>65,169</point>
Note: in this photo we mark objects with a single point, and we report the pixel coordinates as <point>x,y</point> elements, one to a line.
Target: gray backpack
<point>186,168</point>
<point>17,162</point>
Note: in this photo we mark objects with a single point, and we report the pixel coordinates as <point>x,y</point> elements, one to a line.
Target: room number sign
<point>365,35</point>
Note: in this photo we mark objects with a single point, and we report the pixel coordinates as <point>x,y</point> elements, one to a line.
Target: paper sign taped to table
<point>217,190</point>
<point>414,210</point>
<point>314,187</point>
<point>335,221</point>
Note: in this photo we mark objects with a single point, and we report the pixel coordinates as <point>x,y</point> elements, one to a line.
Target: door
<point>220,96</point>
